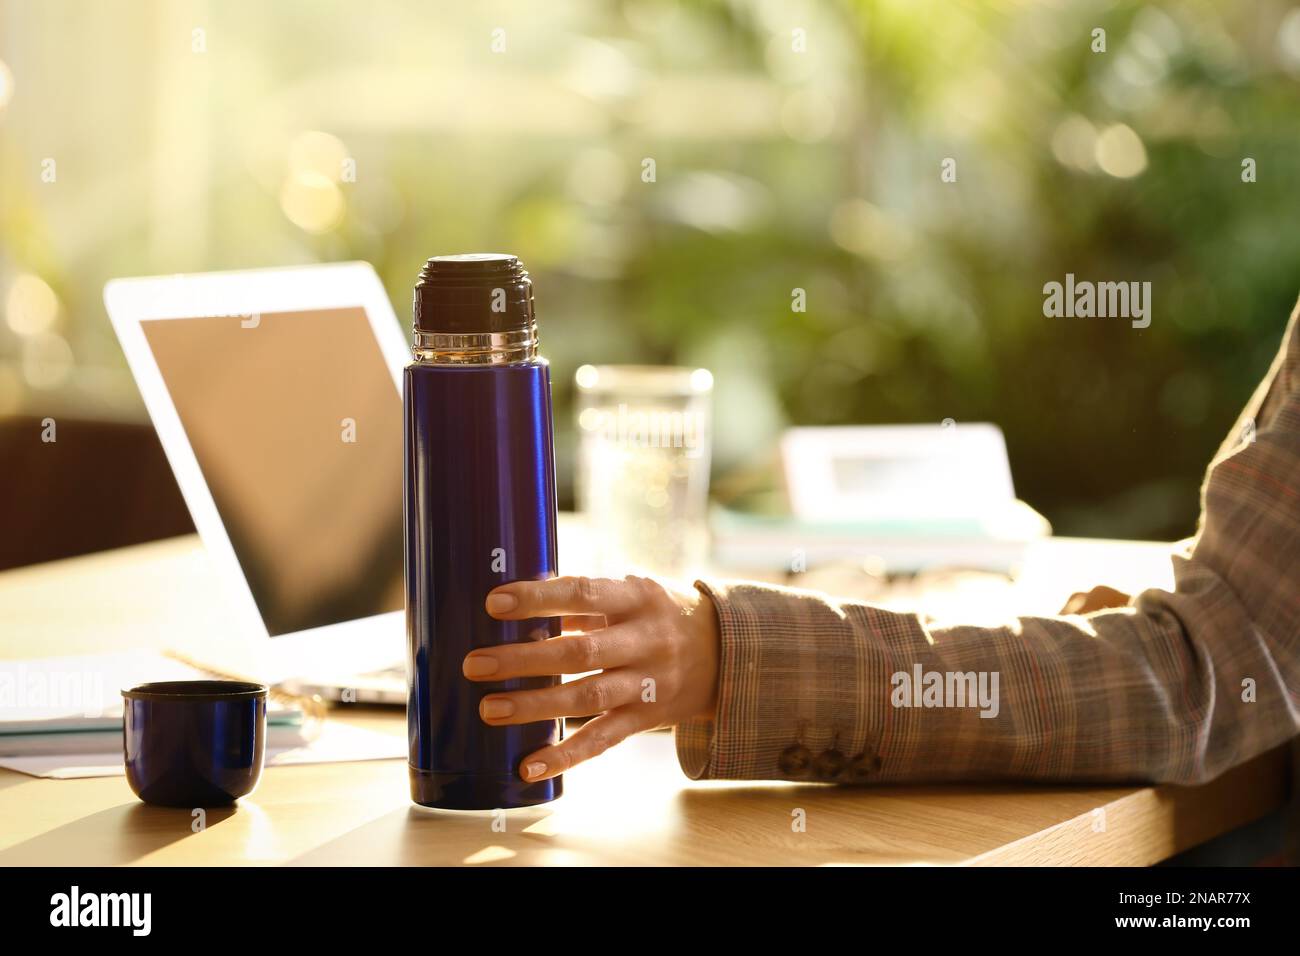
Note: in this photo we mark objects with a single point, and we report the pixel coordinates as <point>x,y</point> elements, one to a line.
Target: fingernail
<point>480,665</point>
<point>494,708</point>
<point>534,769</point>
<point>501,603</point>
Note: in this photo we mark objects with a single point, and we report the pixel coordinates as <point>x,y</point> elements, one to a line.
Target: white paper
<point>45,694</point>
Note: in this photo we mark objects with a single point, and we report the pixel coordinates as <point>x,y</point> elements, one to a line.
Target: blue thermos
<point>480,511</point>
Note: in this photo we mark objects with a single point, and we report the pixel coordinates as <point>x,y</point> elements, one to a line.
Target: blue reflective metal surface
<point>480,511</point>
<point>194,743</point>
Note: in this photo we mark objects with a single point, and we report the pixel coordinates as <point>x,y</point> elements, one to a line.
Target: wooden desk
<point>631,806</point>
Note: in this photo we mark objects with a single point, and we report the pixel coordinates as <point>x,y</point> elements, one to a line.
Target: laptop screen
<point>297,426</point>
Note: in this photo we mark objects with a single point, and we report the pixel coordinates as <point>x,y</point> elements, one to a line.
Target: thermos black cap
<point>473,293</point>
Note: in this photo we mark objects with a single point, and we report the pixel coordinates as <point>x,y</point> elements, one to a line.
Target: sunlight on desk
<point>630,806</point>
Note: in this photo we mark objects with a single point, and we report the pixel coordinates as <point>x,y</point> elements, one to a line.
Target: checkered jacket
<point>1177,687</point>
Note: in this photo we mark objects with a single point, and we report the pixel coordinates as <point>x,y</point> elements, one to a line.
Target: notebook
<point>61,717</point>
<point>73,705</point>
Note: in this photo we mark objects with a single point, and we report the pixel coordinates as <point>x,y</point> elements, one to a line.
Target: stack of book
<point>73,705</point>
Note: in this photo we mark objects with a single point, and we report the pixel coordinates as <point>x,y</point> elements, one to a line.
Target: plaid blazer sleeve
<point>1177,687</point>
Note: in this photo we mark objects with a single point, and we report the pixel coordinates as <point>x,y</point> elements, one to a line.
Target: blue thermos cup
<point>480,511</point>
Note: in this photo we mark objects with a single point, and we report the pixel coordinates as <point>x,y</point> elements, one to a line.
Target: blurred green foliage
<point>795,146</point>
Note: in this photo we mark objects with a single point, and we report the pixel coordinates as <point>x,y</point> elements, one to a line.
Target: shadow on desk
<point>545,837</point>
<point>633,807</point>
<point>712,824</point>
<point>118,835</point>
<point>641,814</point>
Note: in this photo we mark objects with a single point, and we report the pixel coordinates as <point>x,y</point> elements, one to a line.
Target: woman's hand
<point>1098,599</point>
<point>656,649</point>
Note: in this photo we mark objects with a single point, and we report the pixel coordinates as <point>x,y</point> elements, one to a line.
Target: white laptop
<point>277,396</point>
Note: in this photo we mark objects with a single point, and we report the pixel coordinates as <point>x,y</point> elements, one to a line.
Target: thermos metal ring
<point>476,348</point>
